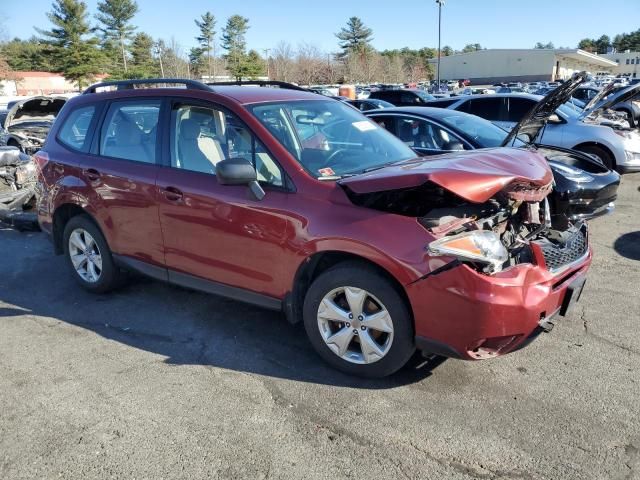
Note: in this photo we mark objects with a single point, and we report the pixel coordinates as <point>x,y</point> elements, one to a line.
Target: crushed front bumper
<point>462,313</point>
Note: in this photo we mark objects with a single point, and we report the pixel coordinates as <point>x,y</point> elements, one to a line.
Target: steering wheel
<point>333,156</point>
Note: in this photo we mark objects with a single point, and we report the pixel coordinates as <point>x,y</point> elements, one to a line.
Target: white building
<point>490,66</point>
<point>627,63</point>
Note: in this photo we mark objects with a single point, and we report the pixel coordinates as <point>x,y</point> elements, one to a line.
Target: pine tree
<point>252,66</point>
<point>74,51</point>
<point>144,65</point>
<point>206,38</point>
<point>115,17</point>
<point>233,41</point>
<point>355,37</point>
<point>196,61</point>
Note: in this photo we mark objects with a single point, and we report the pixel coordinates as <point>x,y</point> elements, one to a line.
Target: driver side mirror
<point>239,171</point>
<point>555,119</point>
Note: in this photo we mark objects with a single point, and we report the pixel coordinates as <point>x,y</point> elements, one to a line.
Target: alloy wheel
<point>85,255</point>
<point>355,325</point>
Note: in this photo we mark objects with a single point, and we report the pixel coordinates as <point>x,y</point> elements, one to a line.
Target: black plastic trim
<point>129,84</point>
<point>235,293</point>
<point>197,283</point>
<point>428,345</point>
<point>153,271</point>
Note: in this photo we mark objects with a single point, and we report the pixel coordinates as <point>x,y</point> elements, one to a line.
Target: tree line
<point>81,49</point>
<point>620,42</point>
<point>80,46</point>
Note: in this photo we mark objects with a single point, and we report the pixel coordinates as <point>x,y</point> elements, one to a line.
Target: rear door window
<point>489,108</point>
<point>409,98</point>
<point>518,108</point>
<point>422,134</point>
<point>73,132</point>
<point>385,121</point>
<point>130,130</point>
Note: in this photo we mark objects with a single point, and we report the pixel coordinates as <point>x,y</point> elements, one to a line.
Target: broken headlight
<point>479,246</point>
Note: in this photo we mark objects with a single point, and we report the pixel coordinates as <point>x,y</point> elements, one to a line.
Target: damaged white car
<point>28,122</point>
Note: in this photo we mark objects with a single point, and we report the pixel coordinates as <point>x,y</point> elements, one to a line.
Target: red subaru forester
<point>295,202</point>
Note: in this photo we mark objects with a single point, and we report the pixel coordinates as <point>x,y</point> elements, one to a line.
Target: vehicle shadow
<point>628,245</point>
<point>184,326</point>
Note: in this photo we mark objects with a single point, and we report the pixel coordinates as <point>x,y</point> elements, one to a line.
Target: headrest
<point>189,129</point>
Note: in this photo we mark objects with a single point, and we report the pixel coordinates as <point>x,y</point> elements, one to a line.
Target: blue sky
<point>492,23</point>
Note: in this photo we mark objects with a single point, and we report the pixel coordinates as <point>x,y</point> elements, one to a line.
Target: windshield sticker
<point>326,172</point>
<point>364,125</point>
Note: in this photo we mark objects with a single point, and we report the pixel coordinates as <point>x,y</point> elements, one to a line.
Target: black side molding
<point>430,346</point>
<point>197,283</point>
<point>235,293</point>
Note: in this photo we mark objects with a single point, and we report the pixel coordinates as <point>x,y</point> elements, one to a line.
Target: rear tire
<point>374,339</point>
<point>89,256</point>
<point>603,155</point>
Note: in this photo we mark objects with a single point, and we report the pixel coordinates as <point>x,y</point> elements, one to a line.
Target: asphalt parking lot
<point>158,382</point>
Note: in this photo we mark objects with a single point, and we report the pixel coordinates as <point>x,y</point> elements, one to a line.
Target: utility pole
<point>440,4</point>
<point>159,52</point>
<point>266,56</point>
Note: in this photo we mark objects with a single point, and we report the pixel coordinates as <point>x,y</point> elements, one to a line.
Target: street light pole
<point>266,54</point>
<point>440,3</point>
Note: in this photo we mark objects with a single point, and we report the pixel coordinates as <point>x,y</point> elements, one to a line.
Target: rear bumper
<point>463,314</point>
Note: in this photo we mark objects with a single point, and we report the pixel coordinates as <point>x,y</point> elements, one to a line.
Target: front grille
<point>557,255</point>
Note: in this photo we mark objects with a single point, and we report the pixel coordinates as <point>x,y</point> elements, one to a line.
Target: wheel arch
<point>598,145</point>
<point>61,217</point>
<point>319,262</point>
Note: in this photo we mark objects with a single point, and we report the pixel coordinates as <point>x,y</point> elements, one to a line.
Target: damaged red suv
<point>295,202</point>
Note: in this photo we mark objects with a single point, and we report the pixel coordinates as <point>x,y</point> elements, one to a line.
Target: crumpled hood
<point>600,103</point>
<point>531,124</point>
<point>475,176</point>
<point>34,108</point>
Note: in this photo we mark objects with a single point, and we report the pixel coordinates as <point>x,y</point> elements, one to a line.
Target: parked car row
<point>292,201</point>
<point>593,130</point>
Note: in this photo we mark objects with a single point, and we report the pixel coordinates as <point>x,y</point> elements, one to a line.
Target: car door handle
<point>92,174</point>
<point>172,194</point>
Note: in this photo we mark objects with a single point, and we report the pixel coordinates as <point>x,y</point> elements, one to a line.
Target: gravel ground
<point>159,382</point>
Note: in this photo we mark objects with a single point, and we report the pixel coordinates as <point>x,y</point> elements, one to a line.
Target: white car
<point>617,147</point>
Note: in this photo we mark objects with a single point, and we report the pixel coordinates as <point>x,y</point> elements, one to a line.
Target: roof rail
<point>130,84</point>
<point>262,83</point>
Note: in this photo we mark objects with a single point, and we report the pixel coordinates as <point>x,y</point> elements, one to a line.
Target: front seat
<point>195,153</point>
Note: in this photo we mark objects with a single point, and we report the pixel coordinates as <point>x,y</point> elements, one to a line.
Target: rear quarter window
<point>73,132</point>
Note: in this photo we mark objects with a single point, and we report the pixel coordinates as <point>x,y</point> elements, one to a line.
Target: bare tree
<point>282,62</point>
<point>310,63</point>
<point>174,62</point>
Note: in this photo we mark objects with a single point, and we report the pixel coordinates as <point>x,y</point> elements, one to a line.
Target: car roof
<point>246,95</point>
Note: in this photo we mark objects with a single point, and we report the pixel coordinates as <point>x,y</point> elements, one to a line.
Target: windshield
<point>330,139</point>
<point>569,110</point>
<point>485,133</point>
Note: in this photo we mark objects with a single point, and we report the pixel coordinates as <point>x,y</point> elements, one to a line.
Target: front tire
<point>89,256</point>
<point>357,321</point>
<point>604,156</point>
